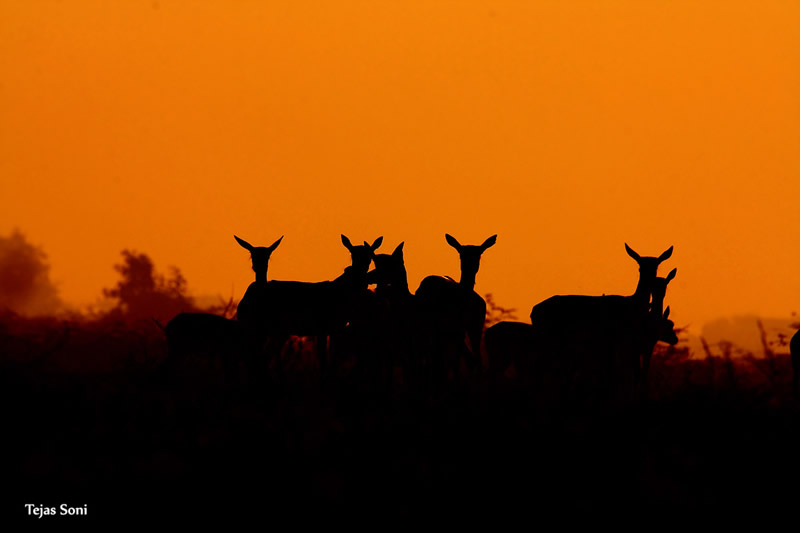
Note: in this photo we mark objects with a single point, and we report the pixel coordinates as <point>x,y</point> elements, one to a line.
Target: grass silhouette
<point>88,423</point>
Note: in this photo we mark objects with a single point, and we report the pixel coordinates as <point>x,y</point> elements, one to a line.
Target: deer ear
<point>631,253</point>
<point>452,242</point>
<point>244,244</point>
<point>488,243</point>
<point>666,313</point>
<point>665,255</point>
<point>346,243</point>
<point>275,244</point>
<point>398,252</point>
<point>671,274</point>
<point>377,243</point>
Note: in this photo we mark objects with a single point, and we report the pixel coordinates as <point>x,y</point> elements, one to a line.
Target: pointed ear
<point>452,242</point>
<point>244,244</point>
<point>398,252</point>
<point>666,313</point>
<point>631,253</point>
<point>275,244</point>
<point>488,243</point>
<point>346,243</point>
<point>377,243</point>
<point>671,274</point>
<point>665,255</point>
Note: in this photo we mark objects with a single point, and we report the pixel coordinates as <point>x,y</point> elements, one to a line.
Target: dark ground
<point>87,420</point>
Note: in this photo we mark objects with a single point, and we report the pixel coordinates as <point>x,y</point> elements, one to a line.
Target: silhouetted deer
<point>450,311</point>
<point>213,337</point>
<point>515,343</point>
<point>250,310</point>
<point>510,342</point>
<point>394,319</point>
<point>656,322</point>
<point>794,350</point>
<point>317,309</point>
<point>589,331</point>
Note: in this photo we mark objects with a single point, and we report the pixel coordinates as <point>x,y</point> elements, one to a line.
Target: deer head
<point>668,334</point>
<point>361,255</point>
<point>389,269</point>
<point>259,255</point>
<point>470,257</point>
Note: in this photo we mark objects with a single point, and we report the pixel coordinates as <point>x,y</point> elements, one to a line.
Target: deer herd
<point>436,333</point>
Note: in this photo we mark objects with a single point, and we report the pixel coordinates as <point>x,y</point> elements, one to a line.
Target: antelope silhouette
<point>510,342</point>
<point>585,331</point>
<point>655,329</point>
<point>450,311</point>
<point>395,322</point>
<point>794,350</point>
<point>317,309</point>
<point>514,342</point>
<point>213,337</point>
<point>250,309</point>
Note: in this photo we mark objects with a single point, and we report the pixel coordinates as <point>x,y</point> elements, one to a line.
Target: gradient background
<point>567,128</point>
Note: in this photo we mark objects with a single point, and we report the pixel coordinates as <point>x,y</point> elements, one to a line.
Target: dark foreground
<point>87,421</point>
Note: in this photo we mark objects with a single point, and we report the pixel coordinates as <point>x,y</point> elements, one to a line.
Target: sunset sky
<point>567,128</point>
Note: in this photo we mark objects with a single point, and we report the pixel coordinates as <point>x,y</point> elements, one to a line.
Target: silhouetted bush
<point>25,285</point>
<point>142,293</point>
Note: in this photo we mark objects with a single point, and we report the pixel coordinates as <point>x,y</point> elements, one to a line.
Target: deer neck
<point>402,284</point>
<point>467,280</point>
<point>261,277</point>
<point>354,277</point>
<point>641,296</point>
<point>657,307</point>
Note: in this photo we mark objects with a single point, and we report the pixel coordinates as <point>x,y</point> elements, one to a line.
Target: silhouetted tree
<point>496,313</point>
<point>25,285</point>
<point>142,293</point>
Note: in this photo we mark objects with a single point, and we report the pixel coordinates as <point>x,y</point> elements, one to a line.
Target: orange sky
<point>567,128</point>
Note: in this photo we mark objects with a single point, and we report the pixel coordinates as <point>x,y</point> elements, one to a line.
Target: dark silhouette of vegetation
<point>142,293</point>
<point>496,313</point>
<point>794,346</point>
<point>25,284</point>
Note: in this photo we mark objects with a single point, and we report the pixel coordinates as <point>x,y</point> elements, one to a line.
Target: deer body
<point>213,337</point>
<point>515,342</point>
<point>380,333</point>
<point>658,326</point>
<point>253,303</point>
<point>397,321</point>
<point>449,311</point>
<point>316,309</point>
<point>509,342</point>
<point>309,309</point>
<point>598,335</point>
